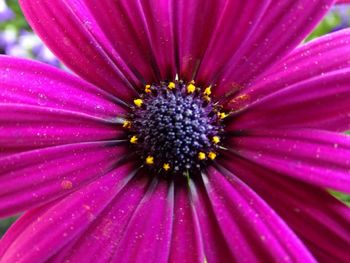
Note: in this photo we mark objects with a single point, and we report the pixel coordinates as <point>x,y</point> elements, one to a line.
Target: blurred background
<point>17,39</point>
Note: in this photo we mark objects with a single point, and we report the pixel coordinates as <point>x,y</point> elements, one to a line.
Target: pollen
<point>166,166</point>
<point>191,87</point>
<point>201,156</point>
<point>207,98</point>
<point>127,124</point>
<point>171,85</point>
<point>134,139</point>
<point>212,155</point>
<point>222,115</point>
<point>148,88</point>
<point>216,139</point>
<point>207,91</point>
<point>66,184</point>
<point>150,160</point>
<point>138,102</point>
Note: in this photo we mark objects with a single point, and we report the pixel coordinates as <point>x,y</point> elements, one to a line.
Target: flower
<point>342,11</point>
<point>25,44</point>
<point>5,12</point>
<point>197,131</point>
<point>7,38</point>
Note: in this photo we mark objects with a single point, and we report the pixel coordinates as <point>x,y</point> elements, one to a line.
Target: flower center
<point>174,127</point>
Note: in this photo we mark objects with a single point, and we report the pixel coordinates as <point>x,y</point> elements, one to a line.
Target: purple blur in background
<point>5,12</point>
<point>21,42</point>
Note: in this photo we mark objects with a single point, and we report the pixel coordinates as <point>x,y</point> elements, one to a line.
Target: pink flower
<point>197,131</point>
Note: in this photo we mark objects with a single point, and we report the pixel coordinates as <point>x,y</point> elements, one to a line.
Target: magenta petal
<point>320,56</point>
<point>37,84</point>
<point>226,26</point>
<point>148,234</point>
<point>307,89</point>
<point>317,157</point>
<point>141,33</point>
<point>73,34</point>
<point>36,177</point>
<point>187,244</point>
<point>60,222</point>
<point>42,106</point>
<point>283,26</point>
<point>99,242</point>
<point>252,230</point>
<point>301,206</point>
<point>25,127</point>
<point>208,33</point>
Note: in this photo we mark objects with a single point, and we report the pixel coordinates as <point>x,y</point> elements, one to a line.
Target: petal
<point>208,34</point>
<point>37,84</point>
<point>74,214</point>
<point>98,243</point>
<point>252,230</point>
<point>215,246</point>
<point>283,26</point>
<point>317,157</point>
<point>308,89</point>
<point>148,233</point>
<point>25,127</point>
<point>301,206</point>
<point>42,106</point>
<point>36,177</point>
<point>187,243</point>
<point>141,33</point>
<point>72,33</point>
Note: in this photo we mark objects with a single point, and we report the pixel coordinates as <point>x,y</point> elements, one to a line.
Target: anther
<point>166,166</point>
<point>134,139</point>
<point>127,124</point>
<point>216,139</point>
<point>148,88</point>
<point>191,87</point>
<point>201,156</point>
<point>207,91</point>
<point>222,115</point>
<point>138,102</point>
<point>212,155</point>
<point>150,160</point>
<point>207,98</point>
<point>171,85</point>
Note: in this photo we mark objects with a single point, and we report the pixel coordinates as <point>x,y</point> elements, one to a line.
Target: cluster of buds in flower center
<point>174,127</point>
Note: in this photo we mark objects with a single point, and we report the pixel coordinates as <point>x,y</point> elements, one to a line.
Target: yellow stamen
<point>212,155</point>
<point>171,85</point>
<point>201,156</point>
<point>138,102</point>
<point>148,88</point>
<point>127,124</point>
<point>222,115</point>
<point>207,91</point>
<point>134,139</point>
<point>166,166</point>
<point>149,160</point>
<point>207,98</point>
<point>216,139</point>
<point>191,87</point>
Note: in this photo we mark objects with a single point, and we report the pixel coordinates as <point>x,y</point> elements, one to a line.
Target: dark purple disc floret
<point>175,126</point>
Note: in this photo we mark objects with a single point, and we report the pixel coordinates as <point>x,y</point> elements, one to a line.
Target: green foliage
<point>326,25</point>
<point>342,197</point>
<point>19,21</point>
<point>5,224</point>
